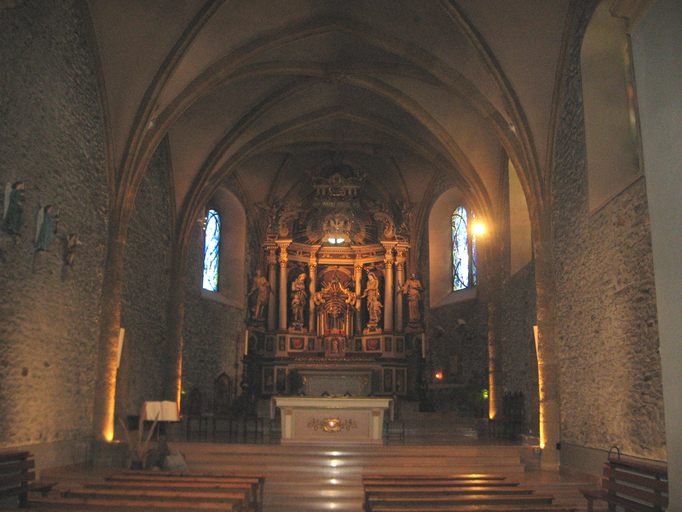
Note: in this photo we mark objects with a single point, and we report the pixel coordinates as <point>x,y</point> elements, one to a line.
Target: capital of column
<point>271,250</point>
<point>388,245</point>
<point>401,253</point>
<point>283,246</point>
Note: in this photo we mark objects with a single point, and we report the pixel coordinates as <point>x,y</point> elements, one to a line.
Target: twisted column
<point>401,256</point>
<point>312,272</point>
<point>272,277</point>
<point>358,291</point>
<point>283,261</point>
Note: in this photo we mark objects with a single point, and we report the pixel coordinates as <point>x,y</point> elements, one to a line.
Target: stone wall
<point>213,330</point>
<point>517,343</point>
<point>457,337</point>
<point>145,290</point>
<point>51,136</point>
<point>606,326</point>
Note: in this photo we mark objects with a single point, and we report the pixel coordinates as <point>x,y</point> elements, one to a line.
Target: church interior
<point>402,230</point>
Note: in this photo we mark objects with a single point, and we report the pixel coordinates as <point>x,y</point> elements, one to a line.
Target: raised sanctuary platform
<point>332,420</point>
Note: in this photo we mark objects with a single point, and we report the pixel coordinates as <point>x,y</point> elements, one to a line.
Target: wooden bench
<point>633,485</point>
<point>425,493</point>
<point>161,490</point>
<point>16,474</point>
<point>257,482</point>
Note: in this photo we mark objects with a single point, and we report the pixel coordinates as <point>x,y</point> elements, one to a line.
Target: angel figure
<point>13,207</point>
<point>71,243</point>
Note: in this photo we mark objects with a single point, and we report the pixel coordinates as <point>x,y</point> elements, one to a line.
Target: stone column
<point>110,325</point>
<point>272,278</point>
<point>358,291</point>
<point>401,256</point>
<point>548,361</point>
<point>312,273</point>
<point>283,261</point>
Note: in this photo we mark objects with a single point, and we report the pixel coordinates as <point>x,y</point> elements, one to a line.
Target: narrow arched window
<point>211,251</point>
<point>463,250</point>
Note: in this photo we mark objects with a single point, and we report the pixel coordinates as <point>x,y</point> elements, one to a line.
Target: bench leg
<point>23,499</point>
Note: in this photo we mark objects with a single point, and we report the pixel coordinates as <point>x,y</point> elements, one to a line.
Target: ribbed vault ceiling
<point>415,93</point>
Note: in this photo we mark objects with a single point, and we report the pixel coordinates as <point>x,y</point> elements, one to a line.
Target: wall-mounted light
<point>438,375</point>
<point>336,240</point>
<point>479,228</point>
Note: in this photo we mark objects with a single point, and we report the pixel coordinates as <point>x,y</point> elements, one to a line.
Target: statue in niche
<point>13,207</point>
<point>298,300</point>
<point>412,288</point>
<point>374,304</point>
<point>262,289</point>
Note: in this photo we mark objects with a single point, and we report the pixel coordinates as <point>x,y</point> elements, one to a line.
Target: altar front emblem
<point>332,425</point>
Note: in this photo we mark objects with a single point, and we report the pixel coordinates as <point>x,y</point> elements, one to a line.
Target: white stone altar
<point>351,420</point>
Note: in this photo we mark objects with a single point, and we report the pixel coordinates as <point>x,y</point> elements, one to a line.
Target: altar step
<point>311,478</point>
<point>315,479</point>
<point>347,460</point>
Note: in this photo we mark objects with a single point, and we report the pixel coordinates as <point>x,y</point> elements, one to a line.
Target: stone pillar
<point>401,256</point>
<point>110,325</point>
<point>272,278</point>
<point>283,261</point>
<point>358,291</point>
<point>548,363</point>
<point>312,267</point>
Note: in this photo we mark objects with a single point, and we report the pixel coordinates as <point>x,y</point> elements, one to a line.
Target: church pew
<point>631,484</point>
<point>422,477</point>
<point>476,508</point>
<point>128,505</point>
<point>438,500</point>
<point>172,494</point>
<point>386,493</point>
<point>147,490</point>
<point>443,490</point>
<point>171,478</point>
<point>16,474</point>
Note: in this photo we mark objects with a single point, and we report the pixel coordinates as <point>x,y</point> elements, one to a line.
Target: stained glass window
<point>211,251</point>
<point>463,250</point>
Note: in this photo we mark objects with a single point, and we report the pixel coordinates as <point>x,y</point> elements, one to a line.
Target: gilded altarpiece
<point>332,305</point>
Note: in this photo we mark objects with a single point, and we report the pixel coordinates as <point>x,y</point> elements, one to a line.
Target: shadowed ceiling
<point>417,94</point>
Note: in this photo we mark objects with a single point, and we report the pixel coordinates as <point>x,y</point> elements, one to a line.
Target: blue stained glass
<point>460,249</point>
<point>463,250</point>
<point>211,251</point>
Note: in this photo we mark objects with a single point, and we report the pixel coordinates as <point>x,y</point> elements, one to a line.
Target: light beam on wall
<point>541,386</point>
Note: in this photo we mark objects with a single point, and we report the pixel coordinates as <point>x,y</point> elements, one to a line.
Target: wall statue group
<point>261,290</point>
<point>47,220</point>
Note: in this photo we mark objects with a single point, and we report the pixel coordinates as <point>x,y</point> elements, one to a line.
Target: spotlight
<point>479,228</point>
